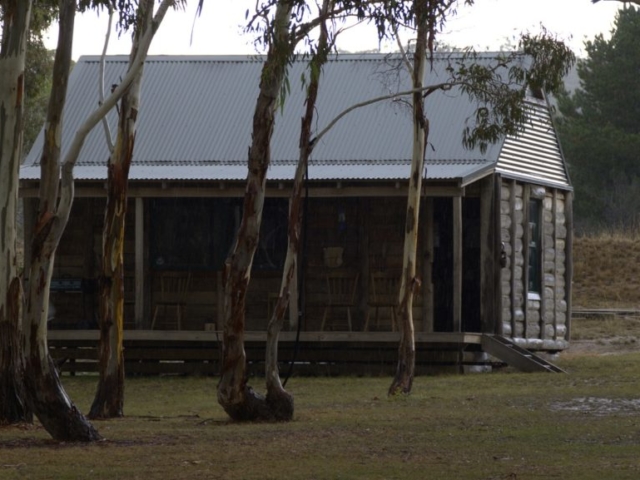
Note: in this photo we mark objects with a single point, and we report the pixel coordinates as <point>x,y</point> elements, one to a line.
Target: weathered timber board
<point>182,352</point>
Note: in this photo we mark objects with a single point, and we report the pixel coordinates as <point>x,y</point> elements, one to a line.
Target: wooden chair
<point>341,293</point>
<point>174,287</point>
<point>384,288</point>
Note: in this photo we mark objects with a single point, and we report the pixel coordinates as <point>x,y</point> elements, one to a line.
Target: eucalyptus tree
<point>15,16</point>
<point>44,392</point>
<point>109,398</point>
<point>238,399</point>
<point>28,118</point>
<point>281,25</point>
<point>424,18</point>
<point>499,88</point>
<point>275,389</point>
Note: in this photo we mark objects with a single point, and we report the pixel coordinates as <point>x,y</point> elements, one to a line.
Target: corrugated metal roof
<point>535,154</point>
<point>195,121</point>
<point>237,172</point>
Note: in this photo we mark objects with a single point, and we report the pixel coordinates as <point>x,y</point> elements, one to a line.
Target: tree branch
<point>403,52</point>
<point>105,123</point>
<point>66,194</point>
<point>430,89</point>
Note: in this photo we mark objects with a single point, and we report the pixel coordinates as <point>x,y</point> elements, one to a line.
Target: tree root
<point>277,406</point>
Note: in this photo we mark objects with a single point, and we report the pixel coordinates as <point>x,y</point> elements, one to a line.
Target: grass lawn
<point>501,425</point>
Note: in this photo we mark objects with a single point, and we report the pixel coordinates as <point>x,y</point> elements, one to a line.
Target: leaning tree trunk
<point>45,393</point>
<point>109,399</point>
<point>15,29</point>
<point>238,399</point>
<point>403,379</point>
<point>278,399</point>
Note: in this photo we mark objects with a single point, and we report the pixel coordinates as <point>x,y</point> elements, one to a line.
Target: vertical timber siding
<point>537,323</point>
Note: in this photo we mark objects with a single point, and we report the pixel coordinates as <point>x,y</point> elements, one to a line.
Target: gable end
<point>534,155</point>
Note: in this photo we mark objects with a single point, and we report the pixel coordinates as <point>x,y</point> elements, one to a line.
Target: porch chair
<point>174,287</point>
<point>384,288</point>
<point>341,293</point>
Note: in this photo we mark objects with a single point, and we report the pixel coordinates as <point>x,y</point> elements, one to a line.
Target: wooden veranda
<point>152,352</point>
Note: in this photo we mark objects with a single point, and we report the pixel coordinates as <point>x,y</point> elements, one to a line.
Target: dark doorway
<point>443,265</point>
<point>471,321</point>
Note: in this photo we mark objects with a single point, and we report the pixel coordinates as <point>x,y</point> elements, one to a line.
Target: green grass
<point>488,426</point>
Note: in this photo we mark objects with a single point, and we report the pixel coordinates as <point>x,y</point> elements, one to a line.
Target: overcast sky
<point>486,25</point>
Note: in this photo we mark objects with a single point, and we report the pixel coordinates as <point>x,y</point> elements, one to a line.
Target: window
<point>198,233</point>
<point>535,253</point>
<point>272,245</point>
<point>191,233</point>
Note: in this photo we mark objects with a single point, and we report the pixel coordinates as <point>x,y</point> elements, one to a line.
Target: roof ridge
<point>256,57</point>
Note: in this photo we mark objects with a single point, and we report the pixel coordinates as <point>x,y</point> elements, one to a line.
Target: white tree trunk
<point>109,398</point>
<point>44,392</point>
<point>403,379</point>
<point>12,64</point>
<point>239,400</point>
<point>275,389</point>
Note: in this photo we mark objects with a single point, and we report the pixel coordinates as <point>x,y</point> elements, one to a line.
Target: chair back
<point>342,287</point>
<point>174,287</point>
<point>384,288</point>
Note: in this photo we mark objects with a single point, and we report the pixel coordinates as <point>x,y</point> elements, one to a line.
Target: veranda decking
<point>198,352</point>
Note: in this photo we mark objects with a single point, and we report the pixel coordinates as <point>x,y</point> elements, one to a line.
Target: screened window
<point>272,245</point>
<point>198,233</point>
<point>535,253</point>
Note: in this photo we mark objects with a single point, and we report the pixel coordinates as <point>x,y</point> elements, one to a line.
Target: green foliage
<point>599,129</point>
<point>385,15</point>
<point>501,85</point>
<point>127,10</point>
<point>43,14</point>
<point>37,79</point>
<point>38,68</point>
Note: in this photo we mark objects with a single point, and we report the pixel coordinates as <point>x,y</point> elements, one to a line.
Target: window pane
<point>535,262</point>
<point>198,233</point>
<point>191,233</point>
<point>175,241</point>
<point>272,246</point>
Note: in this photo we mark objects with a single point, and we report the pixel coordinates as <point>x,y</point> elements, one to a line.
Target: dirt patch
<point>598,406</point>
<point>617,345</point>
<point>605,334</point>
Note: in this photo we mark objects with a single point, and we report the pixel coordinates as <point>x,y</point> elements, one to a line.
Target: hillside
<point>606,271</point>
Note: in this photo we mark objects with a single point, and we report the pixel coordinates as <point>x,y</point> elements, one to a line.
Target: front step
<point>516,356</point>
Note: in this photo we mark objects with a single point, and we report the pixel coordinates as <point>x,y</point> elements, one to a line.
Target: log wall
<point>535,321</point>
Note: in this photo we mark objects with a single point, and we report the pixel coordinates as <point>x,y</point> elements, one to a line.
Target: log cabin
<point>495,225</point>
